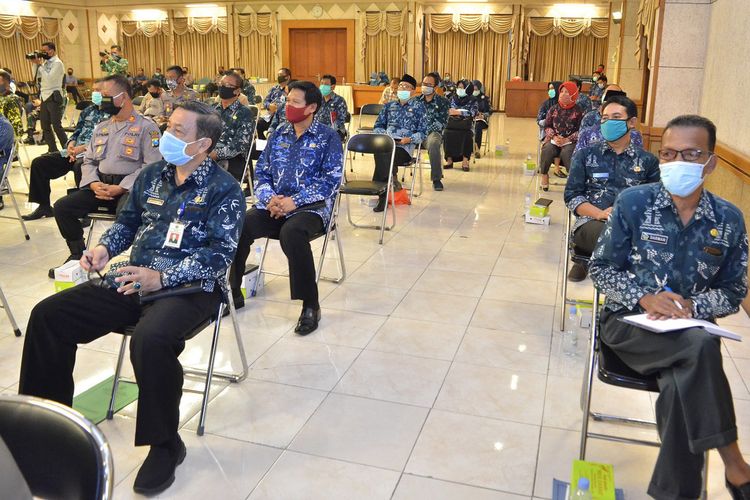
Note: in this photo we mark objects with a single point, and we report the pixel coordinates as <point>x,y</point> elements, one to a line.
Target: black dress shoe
<point>239,303</point>
<point>2,203</point>
<point>437,185</point>
<point>308,321</point>
<point>448,166</point>
<point>381,204</point>
<point>741,492</point>
<point>577,273</point>
<point>157,472</point>
<point>40,213</point>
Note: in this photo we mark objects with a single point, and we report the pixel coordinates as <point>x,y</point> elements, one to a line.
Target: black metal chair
<point>4,305</point>
<point>368,110</point>
<point>7,190</point>
<point>611,370</point>
<point>59,452</point>
<point>80,107</point>
<point>137,101</point>
<point>572,255</point>
<point>370,144</point>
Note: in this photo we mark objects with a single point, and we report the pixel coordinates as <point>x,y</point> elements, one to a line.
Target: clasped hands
<point>104,191</point>
<point>280,206</point>
<point>147,280</point>
<point>74,151</point>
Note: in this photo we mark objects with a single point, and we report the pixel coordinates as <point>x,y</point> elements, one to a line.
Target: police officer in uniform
<point>176,94</point>
<point>119,148</point>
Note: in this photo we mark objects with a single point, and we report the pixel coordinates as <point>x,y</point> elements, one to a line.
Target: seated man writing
<point>405,120</point>
<point>674,250</point>
<point>187,194</point>
<point>599,172</point>
<point>119,148</point>
<point>296,181</point>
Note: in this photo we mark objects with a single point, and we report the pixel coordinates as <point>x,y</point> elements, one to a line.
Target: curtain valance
<point>29,27</point>
<point>470,23</point>
<point>200,25</point>
<point>148,29</point>
<point>263,23</point>
<point>543,26</point>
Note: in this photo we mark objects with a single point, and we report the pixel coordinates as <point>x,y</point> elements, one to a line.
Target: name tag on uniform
<point>174,235</point>
<point>655,238</point>
<point>600,175</point>
<point>155,201</point>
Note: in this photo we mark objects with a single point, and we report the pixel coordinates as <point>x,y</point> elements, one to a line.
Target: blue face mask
<point>681,178</point>
<point>461,92</point>
<point>551,93</point>
<point>325,89</point>
<point>614,129</point>
<point>403,95</point>
<point>172,149</point>
<point>96,98</point>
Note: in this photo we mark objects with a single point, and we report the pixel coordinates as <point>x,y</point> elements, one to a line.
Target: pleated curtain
<point>20,35</point>
<point>384,42</point>
<point>146,45</point>
<point>257,44</point>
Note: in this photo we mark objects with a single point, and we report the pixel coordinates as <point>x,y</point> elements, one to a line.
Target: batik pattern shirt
<point>645,248</point>
<point>591,119</point>
<point>563,122</point>
<point>308,169</point>
<point>278,118</point>
<point>469,107</point>
<point>7,139</point>
<point>403,120</point>
<point>592,135</point>
<point>584,102</point>
<point>437,112</point>
<point>276,96</point>
<point>10,108</point>
<point>213,210</point>
<point>333,113</point>
<point>237,133</point>
<point>87,122</point>
<point>598,174</point>
<point>249,90</point>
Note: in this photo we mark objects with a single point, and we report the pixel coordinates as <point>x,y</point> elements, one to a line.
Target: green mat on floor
<point>94,402</point>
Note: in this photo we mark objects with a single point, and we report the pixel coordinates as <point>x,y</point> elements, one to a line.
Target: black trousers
<point>236,167</point>
<point>69,209</point>
<point>86,312</point>
<point>550,152</point>
<point>294,234</point>
<point>586,236</point>
<point>45,168</point>
<point>50,114</point>
<point>457,144</point>
<point>263,127</point>
<point>694,411</point>
<point>73,91</point>
<point>383,161</point>
<point>479,128</point>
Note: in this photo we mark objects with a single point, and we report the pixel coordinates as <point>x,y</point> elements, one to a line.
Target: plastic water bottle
<point>570,338</point>
<point>258,254</point>
<point>527,203</point>
<point>582,492</point>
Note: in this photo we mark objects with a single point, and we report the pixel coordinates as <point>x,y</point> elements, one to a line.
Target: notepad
<point>671,325</point>
<point>260,144</point>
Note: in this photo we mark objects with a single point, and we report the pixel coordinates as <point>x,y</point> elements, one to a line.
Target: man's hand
<point>100,191</point>
<point>454,112</point>
<point>272,108</point>
<point>213,155</point>
<point>405,140</point>
<point>286,204</point>
<point>71,148</point>
<point>36,102</point>
<point>663,305</point>
<point>604,214</point>
<point>115,191</point>
<point>96,259</point>
<point>274,206</point>
<point>148,279</point>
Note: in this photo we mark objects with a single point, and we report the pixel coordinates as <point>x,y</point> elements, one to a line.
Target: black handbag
<point>459,123</point>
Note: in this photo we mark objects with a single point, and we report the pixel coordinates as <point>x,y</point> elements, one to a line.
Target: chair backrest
<point>59,452</point>
<point>371,109</point>
<point>137,100</point>
<point>371,143</point>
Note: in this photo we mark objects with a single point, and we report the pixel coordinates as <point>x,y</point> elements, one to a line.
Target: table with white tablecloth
<point>344,91</point>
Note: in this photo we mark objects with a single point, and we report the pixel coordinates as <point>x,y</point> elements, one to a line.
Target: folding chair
<point>7,190</point>
<point>4,305</point>
<point>577,258</point>
<point>370,144</point>
<point>330,231</point>
<point>415,165</point>
<point>611,370</point>
<point>254,152</point>
<point>208,373</point>
<point>137,101</point>
<point>368,110</point>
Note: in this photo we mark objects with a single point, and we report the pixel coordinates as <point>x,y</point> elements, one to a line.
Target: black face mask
<point>281,79</point>
<point>108,106</point>
<point>46,56</point>
<point>70,72</point>
<point>155,95</point>
<point>226,92</point>
<point>3,89</point>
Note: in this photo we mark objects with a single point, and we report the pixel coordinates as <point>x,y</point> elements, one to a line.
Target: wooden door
<point>314,52</point>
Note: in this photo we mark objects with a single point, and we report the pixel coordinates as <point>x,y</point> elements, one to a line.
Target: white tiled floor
<point>436,372</point>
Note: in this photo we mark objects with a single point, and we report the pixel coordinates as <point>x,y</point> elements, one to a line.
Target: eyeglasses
<point>686,154</point>
<point>405,86</point>
<point>606,119</point>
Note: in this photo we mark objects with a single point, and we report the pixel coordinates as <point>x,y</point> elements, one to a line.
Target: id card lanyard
<point>176,230</point>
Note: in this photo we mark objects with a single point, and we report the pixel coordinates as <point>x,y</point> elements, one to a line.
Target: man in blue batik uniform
<point>296,181</point>
<point>274,99</point>
<point>436,109</point>
<point>674,250</point>
<point>405,121</point>
<point>183,219</point>
<point>333,112</point>
<point>598,174</point>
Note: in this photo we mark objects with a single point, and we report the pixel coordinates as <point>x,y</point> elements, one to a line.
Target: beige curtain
<point>554,57</point>
<point>480,56</point>
<point>146,52</point>
<point>257,44</point>
<point>543,26</point>
<point>20,35</point>
<point>645,25</point>
<point>202,53</point>
<point>384,42</point>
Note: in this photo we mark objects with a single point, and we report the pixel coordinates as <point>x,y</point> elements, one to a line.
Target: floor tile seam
<point>459,483</point>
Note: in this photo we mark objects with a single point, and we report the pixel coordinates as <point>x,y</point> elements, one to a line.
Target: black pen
<point>91,266</point>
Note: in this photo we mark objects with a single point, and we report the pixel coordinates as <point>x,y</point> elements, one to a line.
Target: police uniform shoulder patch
<point>155,138</point>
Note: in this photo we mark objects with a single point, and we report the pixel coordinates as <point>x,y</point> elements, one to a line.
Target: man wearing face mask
<point>152,106</point>
<point>333,111</point>
<point>159,77</point>
<point>176,94</point>
<point>296,181</point>
<point>599,172</point>
<point>274,99</point>
<point>674,250</point>
<point>590,131</point>
<point>405,121</point>
<point>50,166</point>
<point>71,85</point>
<point>597,88</point>
<point>113,63</point>
<point>51,70</point>
<point>186,194</point>
<point>237,134</point>
<point>279,117</point>
<point>119,148</point>
<point>436,109</point>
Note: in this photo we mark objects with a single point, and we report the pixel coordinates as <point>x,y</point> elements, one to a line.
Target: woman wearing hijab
<point>560,130</point>
<point>553,90</point>
<point>458,137</point>
<point>482,120</point>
